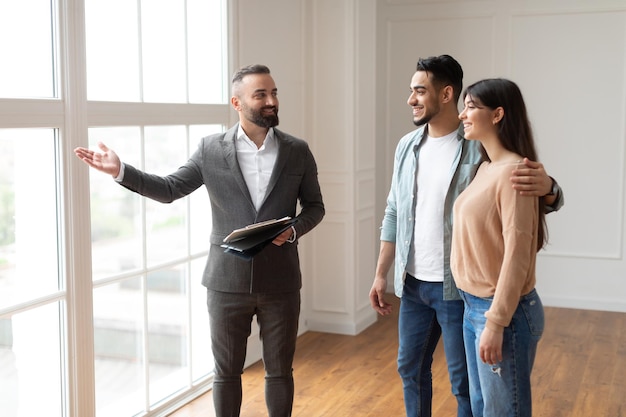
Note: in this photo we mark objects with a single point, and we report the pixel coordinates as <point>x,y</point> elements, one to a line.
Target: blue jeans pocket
<point>533,311</point>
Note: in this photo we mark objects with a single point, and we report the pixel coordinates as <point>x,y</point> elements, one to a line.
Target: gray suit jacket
<point>276,268</point>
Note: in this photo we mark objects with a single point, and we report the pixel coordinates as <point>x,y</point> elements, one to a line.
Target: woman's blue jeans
<point>503,390</point>
<point>424,316</point>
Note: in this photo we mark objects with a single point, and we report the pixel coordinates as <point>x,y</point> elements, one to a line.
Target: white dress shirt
<point>256,164</point>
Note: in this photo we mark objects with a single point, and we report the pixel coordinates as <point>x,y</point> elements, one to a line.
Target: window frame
<point>71,115</point>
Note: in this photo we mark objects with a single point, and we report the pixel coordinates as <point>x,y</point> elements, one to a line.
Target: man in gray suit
<point>253,172</point>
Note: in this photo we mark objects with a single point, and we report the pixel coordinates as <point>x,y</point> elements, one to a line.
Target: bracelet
<point>293,235</point>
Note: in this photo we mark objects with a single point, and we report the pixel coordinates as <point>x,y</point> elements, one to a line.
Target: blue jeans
<point>503,390</point>
<point>424,317</point>
<point>230,316</point>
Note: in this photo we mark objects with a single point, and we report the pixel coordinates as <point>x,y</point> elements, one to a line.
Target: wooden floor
<point>580,371</point>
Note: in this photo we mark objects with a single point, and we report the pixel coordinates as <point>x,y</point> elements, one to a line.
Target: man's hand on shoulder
<point>531,179</point>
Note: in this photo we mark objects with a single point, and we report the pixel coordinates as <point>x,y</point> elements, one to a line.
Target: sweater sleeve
<point>519,217</point>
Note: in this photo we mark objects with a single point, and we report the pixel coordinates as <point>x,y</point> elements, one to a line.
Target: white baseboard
<point>584,303</point>
<point>347,328</point>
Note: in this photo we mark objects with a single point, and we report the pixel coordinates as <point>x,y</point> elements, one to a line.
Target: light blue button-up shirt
<point>399,220</point>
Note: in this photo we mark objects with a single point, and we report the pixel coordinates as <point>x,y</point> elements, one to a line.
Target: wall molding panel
<point>569,59</point>
<point>343,126</point>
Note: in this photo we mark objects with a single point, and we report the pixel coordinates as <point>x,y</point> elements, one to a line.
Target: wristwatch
<point>554,189</point>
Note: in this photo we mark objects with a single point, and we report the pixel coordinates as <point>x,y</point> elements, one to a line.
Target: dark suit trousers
<point>231,317</point>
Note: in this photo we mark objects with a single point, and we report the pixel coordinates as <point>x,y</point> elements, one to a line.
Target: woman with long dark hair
<point>496,236</point>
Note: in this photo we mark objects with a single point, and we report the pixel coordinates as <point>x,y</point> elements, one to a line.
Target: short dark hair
<point>445,71</point>
<point>247,70</point>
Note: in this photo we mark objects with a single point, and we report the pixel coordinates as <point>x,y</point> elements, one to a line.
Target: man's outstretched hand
<point>106,161</point>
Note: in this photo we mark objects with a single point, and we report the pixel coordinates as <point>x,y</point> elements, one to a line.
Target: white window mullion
<point>144,280</point>
<point>140,51</point>
<point>188,277</point>
<point>107,113</point>
<point>146,342</point>
<point>25,113</point>
<point>186,52</point>
<point>76,216</point>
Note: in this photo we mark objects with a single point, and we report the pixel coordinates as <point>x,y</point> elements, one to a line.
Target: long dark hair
<point>514,130</point>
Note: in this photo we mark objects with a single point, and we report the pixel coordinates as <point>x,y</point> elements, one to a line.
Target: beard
<point>428,115</point>
<point>423,120</point>
<point>262,120</point>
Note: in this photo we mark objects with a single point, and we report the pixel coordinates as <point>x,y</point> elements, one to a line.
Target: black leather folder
<point>250,240</point>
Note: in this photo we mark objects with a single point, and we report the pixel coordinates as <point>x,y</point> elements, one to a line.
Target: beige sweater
<point>494,241</point>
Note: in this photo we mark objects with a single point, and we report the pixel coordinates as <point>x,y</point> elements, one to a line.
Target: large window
<point>101,308</point>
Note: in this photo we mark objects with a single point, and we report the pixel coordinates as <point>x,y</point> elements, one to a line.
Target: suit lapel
<point>284,149</point>
<point>230,154</point>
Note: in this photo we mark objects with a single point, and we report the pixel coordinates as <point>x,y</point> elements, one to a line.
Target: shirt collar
<point>242,137</point>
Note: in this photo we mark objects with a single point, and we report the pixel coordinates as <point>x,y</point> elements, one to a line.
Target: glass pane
<point>112,28</point>
<point>163,51</point>
<point>28,370</point>
<point>166,226</point>
<point>206,29</point>
<point>26,49</point>
<point>28,215</point>
<point>118,347</point>
<point>186,62</point>
<point>201,356</point>
<point>199,220</point>
<point>168,332</point>
<point>116,231</point>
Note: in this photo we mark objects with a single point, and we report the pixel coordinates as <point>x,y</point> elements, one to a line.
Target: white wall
<point>343,67</point>
<point>569,58</point>
<point>322,56</point>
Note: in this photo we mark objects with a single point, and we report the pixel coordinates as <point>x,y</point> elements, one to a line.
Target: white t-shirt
<point>434,173</point>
